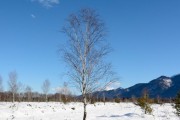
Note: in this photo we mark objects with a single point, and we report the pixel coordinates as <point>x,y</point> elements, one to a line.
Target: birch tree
<point>46,88</point>
<point>84,53</point>
<point>65,91</point>
<point>1,84</point>
<point>13,85</point>
<point>20,91</point>
<point>28,92</point>
<point>1,87</point>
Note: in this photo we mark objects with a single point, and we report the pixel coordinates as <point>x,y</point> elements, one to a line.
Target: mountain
<point>163,86</point>
<point>110,93</point>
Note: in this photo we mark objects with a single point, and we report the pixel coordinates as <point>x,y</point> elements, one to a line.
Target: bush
<point>157,100</point>
<point>177,104</point>
<point>65,99</point>
<point>144,103</point>
<point>92,101</point>
<point>117,100</point>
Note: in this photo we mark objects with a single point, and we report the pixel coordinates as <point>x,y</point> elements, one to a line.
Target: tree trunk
<point>19,97</point>
<point>46,98</point>
<point>84,102</point>
<point>85,113</point>
<point>13,98</point>
<point>60,100</point>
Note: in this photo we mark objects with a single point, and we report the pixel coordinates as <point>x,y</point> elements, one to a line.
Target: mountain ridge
<point>163,86</point>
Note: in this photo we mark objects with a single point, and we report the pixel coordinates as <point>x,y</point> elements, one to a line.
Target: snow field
<point>74,111</point>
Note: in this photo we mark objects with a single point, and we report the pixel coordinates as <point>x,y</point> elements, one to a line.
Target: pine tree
<point>177,104</point>
<point>143,102</point>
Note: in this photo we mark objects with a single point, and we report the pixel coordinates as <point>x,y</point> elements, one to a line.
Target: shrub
<point>158,100</point>
<point>177,104</point>
<point>117,100</point>
<point>64,99</point>
<point>144,103</point>
<point>92,100</point>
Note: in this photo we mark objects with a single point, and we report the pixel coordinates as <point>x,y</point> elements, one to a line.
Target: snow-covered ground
<point>73,111</point>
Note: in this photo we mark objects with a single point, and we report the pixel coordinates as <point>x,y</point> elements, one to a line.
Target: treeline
<point>58,97</point>
<point>36,97</point>
<point>133,99</point>
<point>18,92</point>
<point>21,93</point>
<point>66,96</point>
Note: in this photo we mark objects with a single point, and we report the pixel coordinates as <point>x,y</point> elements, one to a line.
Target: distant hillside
<point>163,86</point>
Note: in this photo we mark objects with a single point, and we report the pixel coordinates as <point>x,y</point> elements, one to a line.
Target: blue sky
<point>144,35</point>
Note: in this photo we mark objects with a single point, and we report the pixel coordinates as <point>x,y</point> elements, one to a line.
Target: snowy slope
<point>99,111</point>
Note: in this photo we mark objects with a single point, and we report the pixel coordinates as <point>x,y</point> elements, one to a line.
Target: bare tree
<point>28,92</point>
<point>20,91</point>
<point>1,84</point>
<point>13,85</point>
<point>59,91</point>
<point>46,88</point>
<point>85,51</point>
<point>65,91</point>
<point>1,87</point>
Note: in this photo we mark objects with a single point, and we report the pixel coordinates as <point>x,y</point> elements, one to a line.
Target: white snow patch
<point>167,82</point>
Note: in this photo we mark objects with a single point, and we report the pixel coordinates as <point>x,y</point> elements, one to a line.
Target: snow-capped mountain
<point>163,86</point>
